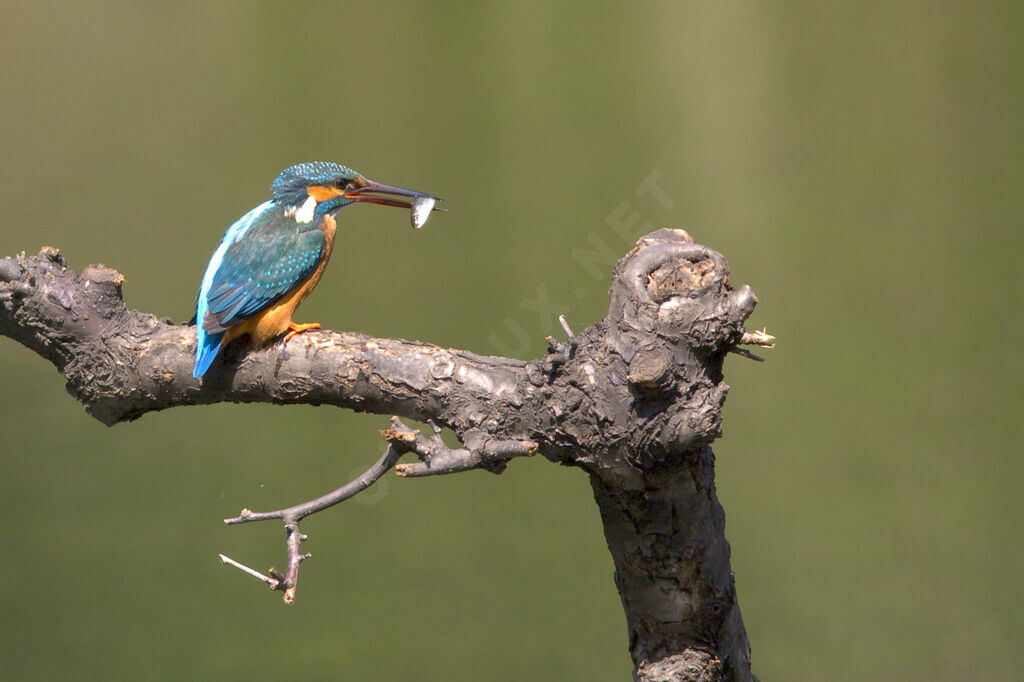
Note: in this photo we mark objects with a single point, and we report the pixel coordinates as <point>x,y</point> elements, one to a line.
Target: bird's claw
<point>299,328</point>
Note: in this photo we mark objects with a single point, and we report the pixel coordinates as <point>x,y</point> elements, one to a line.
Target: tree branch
<point>634,400</point>
<point>292,516</point>
<point>436,458</point>
<point>479,452</point>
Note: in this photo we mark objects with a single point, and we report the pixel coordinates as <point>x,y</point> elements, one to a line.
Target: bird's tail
<point>207,346</point>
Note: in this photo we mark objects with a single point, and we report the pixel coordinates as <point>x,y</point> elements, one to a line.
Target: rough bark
<point>634,400</point>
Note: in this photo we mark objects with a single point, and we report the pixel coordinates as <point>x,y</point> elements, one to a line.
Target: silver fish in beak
<point>420,210</point>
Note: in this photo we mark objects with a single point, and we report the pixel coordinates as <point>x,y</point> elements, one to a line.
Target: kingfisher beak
<point>385,195</point>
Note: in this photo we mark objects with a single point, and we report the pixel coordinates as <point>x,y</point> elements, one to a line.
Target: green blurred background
<point>859,164</point>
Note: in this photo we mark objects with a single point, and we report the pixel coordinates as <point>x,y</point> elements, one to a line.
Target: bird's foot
<point>297,328</point>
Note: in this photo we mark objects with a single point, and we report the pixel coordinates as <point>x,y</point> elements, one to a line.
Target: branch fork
<point>560,352</point>
<point>436,458</point>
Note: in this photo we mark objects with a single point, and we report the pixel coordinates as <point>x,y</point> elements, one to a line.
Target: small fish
<point>421,208</point>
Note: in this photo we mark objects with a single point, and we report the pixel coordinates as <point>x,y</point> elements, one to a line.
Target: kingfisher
<point>271,258</point>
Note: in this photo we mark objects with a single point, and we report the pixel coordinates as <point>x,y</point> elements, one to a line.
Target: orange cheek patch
<point>321,193</point>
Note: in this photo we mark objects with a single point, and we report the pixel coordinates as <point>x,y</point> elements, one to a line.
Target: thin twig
<point>300,511</point>
<point>436,458</point>
<point>759,338</point>
<point>745,353</point>
<point>560,352</point>
<point>565,326</point>
<point>291,579</point>
<point>272,583</point>
<point>294,514</point>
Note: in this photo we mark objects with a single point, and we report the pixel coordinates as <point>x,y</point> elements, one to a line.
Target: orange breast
<point>267,325</point>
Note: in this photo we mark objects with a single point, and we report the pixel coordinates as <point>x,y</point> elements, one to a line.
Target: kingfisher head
<point>309,191</point>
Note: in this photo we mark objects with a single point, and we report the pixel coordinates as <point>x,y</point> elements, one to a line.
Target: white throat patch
<point>304,214</point>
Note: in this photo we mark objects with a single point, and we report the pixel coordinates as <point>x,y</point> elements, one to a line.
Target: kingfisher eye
<point>345,184</point>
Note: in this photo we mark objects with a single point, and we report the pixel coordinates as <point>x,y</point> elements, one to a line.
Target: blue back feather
<point>262,257</point>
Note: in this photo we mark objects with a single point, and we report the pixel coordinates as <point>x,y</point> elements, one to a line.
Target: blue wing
<point>261,258</point>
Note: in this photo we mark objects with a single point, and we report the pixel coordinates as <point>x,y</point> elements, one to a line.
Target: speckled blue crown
<point>290,186</point>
